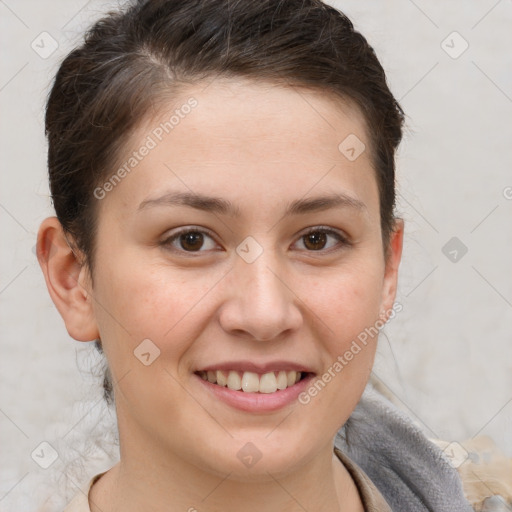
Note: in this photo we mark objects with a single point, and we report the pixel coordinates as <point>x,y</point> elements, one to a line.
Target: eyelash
<point>342,240</point>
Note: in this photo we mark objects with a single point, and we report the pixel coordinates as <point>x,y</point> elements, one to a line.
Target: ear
<point>67,280</point>
<point>393,258</point>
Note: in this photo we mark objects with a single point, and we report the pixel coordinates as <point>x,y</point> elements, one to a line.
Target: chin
<point>258,460</point>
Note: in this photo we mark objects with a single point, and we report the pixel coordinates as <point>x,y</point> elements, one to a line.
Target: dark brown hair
<point>138,57</point>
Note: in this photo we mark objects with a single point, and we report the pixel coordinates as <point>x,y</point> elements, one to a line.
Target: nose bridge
<point>261,284</point>
<point>263,305</point>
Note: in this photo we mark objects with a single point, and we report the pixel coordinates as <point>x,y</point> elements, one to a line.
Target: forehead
<point>258,137</point>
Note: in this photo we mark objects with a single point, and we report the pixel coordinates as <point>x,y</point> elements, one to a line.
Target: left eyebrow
<point>322,203</point>
<point>223,206</point>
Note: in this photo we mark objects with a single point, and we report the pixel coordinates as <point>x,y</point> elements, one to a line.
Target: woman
<point>223,178</point>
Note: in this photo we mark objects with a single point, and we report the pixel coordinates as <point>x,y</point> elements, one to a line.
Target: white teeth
<point>234,381</point>
<point>268,383</point>
<point>251,382</point>
<point>222,378</point>
<point>282,380</point>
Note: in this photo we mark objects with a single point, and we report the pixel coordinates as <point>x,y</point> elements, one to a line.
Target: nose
<point>261,304</point>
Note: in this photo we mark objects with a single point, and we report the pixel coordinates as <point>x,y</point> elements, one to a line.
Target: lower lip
<point>257,402</point>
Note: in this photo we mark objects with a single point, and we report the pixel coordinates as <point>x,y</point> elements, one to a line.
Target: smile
<point>251,382</point>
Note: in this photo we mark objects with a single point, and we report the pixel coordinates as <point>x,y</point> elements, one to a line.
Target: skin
<point>259,146</point>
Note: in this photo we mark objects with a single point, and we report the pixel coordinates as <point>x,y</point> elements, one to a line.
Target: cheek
<point>348,306</point>
<point>157,304</point>
<point>348,303</point>
<point>141,302</point>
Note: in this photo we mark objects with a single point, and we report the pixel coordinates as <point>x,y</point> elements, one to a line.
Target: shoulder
<point>485,471</point>
<point>80,502</point>
<point>410,471</point>
<point>372,499</point>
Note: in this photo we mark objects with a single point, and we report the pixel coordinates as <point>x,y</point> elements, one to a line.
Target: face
<point>244,247</point>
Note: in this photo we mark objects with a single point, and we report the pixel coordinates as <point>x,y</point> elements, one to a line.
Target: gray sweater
<point>410,471</point>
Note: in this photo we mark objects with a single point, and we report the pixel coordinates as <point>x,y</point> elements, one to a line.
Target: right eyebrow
<point>198,201</point>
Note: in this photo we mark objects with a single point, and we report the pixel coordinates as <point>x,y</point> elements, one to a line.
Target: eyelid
<point>326,229</point>
<point>167,241</point>
<point>343,239</point>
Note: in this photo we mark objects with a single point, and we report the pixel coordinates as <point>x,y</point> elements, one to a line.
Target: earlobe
<point>392,263</point>
<point>67,281</point>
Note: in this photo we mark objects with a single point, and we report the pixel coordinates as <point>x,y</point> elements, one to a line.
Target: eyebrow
<point>225,207</point>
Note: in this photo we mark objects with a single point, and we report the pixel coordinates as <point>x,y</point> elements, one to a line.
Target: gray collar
<point>410,471</point>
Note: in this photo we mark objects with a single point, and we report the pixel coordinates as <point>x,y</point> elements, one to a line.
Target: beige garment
<point>485,471</point>
<point>372,499</point>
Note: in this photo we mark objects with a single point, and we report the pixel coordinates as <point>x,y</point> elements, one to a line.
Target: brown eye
<point>318,239</point>
<point>191,241</point>
<point>315,240</point>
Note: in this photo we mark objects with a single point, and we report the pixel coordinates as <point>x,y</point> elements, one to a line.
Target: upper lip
<point>251,366</point>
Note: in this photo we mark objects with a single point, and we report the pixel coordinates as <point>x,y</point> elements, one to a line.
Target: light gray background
<point>446,358</point>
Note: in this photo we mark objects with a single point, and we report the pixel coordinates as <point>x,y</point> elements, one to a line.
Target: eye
<point>189,240</point>
<point>317,238</point>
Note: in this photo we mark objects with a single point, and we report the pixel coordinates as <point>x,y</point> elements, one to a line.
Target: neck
<point>148,478</point>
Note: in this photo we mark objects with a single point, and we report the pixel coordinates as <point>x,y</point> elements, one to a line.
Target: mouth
<point>252,382</point>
